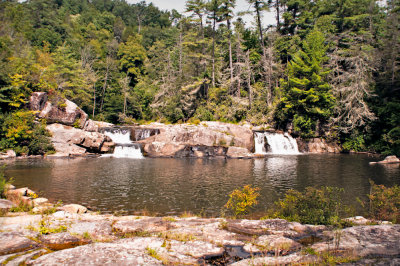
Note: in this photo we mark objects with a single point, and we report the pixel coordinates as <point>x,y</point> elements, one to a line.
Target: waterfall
<point>124,147</point>
<point>275,143</point>
<point>128,151</point>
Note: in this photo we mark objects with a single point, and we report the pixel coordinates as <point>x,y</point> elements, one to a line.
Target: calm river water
<point>172,186</point>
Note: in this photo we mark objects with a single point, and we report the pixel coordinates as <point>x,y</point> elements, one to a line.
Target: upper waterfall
<point>275,143</point>
<point>125,147</point>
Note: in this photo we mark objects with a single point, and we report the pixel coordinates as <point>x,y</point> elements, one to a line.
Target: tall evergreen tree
<point>307,100</point>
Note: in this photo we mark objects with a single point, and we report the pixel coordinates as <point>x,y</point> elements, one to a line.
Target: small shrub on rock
<point>384,203</point>
<point>313,206</point>
<point>242,200</point>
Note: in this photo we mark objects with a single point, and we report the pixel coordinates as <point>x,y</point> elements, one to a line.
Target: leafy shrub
<point>242,200</point>
<point>313,206</point>
<point>384,203</point>
<point>21,133</point>
<point>356,144</point>
<point>3,182</point>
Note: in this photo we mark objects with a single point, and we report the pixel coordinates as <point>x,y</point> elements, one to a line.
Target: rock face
<point>70,141</point>
<point>64,111</point>
<point>317,145</point>
<point>92,239</point>
<point>206,139</point>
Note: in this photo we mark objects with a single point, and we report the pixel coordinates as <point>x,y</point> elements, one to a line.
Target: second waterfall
<point>275,143</point>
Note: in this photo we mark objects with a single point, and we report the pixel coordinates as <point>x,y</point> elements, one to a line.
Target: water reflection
<point>171,186</point>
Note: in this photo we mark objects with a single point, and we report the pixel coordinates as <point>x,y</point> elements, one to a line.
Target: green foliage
<point>3,181</point>
<point>356,144</point>
<point>384,203</point>
<point>307,99</point>
<point>21,133</point>
<point>313,206</point>
<point>242,200</point>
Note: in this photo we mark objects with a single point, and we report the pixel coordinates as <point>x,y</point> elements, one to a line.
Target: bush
<point>21,133</point>
<point>384,203</point>
<point>314,206</point>
<point>242,200</point>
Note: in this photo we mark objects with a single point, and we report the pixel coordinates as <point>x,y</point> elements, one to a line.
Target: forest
<point>326,68</point>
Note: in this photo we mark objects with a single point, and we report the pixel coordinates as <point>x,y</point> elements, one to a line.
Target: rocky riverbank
<point>72,235</point>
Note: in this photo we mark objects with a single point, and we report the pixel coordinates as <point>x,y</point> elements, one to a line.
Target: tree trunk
<point>228,22</point>
<point>257,8</point>
<point>278,24</point>
<point>213,52</point>
<point>94,99</point>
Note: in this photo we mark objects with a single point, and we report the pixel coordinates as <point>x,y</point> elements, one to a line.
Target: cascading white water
<point>278,143</point>
<point>124,147</point>
<point>119,136</point>
<point>128,151</point>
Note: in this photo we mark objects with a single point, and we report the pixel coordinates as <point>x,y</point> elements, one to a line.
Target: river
<point>172,186</point>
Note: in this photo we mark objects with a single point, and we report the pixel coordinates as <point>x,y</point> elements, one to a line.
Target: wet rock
<point>388,160</point>
<point>99,230</point>
<point>284,260</point>
<point>5,205</point>
<point>61,241</point>
<point>377,240</point>
<point>238,152</point>
<point>317,145</point>
<point>13,242</point>
<point>74,208</point>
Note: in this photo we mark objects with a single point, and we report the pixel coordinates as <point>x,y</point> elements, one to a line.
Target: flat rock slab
<point>131,252</point>
<point>273,226</point>
<point>61,241</point>
<point>99,230</point>
<point>376,240</point>
<point>21,258</point>
<point>19,223</point>
<point>13,242</point>
<point>285,260</point>
<point>150,225</point>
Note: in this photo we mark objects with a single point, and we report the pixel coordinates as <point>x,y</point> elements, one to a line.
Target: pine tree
<point>307,100</point>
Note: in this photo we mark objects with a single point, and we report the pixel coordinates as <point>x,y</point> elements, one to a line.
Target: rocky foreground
<point>72,236</point>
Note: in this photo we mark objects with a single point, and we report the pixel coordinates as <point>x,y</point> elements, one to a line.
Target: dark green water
<point>172,186</point>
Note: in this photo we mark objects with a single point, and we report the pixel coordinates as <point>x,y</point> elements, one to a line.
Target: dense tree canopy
<point>327,68</point>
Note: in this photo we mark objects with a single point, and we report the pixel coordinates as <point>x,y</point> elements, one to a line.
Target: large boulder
<point>176,140</point>
<point>388,160</point>
<point>69,141</point>
<point>58,111</point>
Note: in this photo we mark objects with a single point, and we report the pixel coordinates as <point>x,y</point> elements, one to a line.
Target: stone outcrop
<point>205,139</point>
<point>73,134</point>
<point>58,111</point>
<point>388,160</point>
<point>70,141</point>
<point>93,239</point>
<point>318,145</point>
